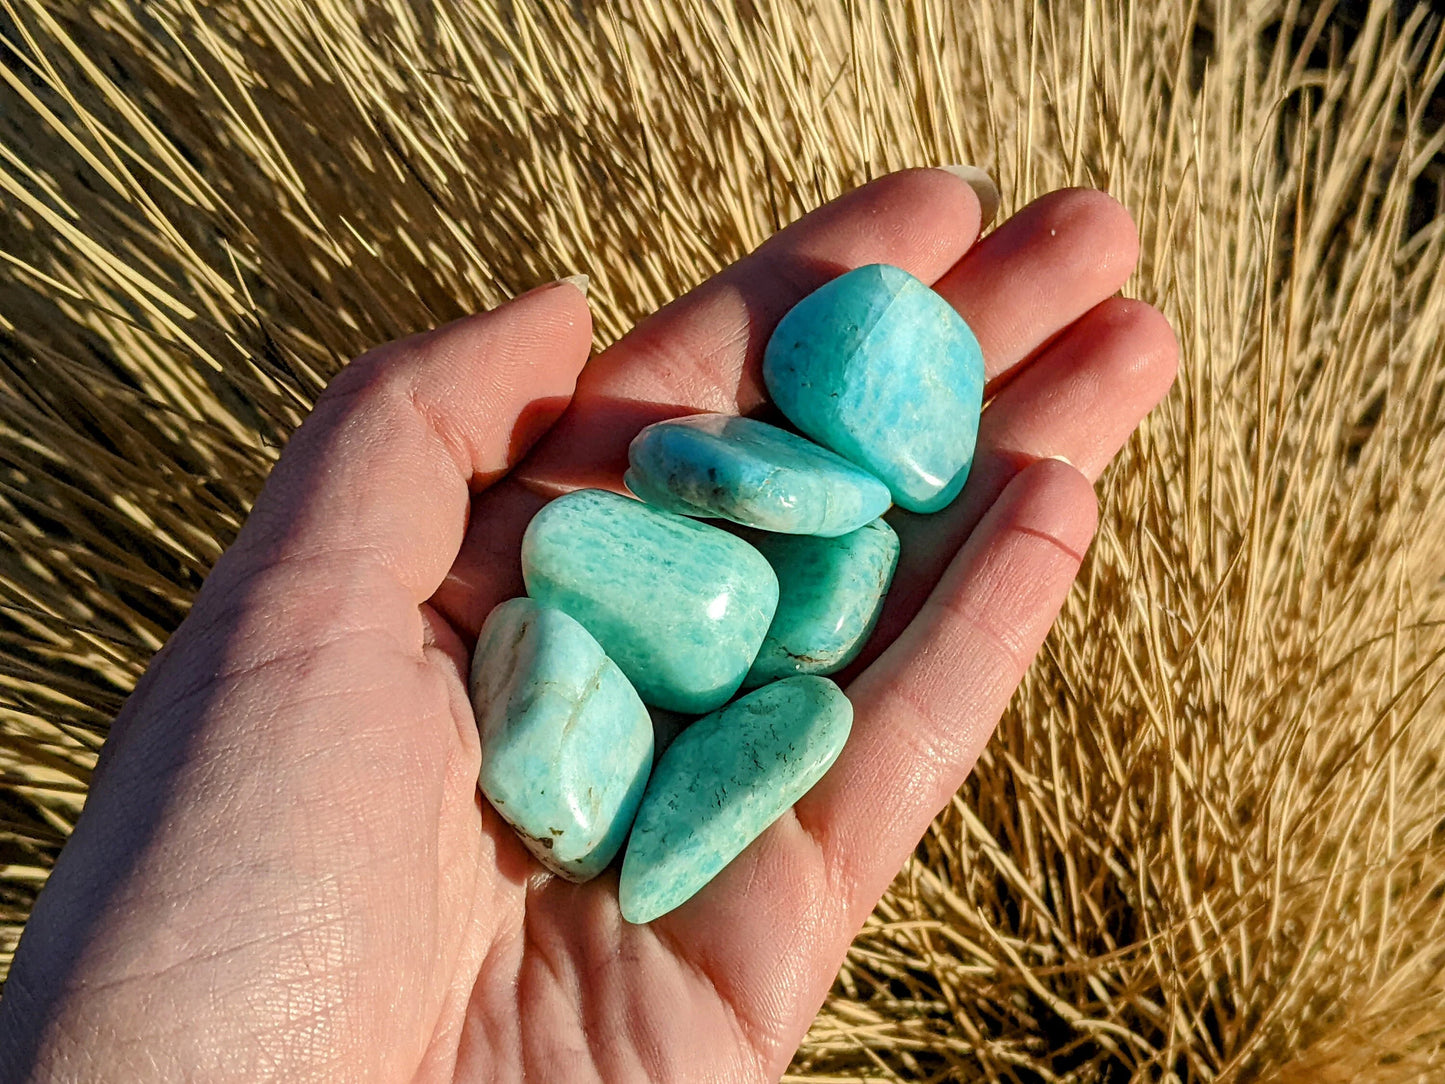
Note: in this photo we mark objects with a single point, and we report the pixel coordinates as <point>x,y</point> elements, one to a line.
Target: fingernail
<point>579,281</point>
<point>983,187</point>
<point>1063,459</point>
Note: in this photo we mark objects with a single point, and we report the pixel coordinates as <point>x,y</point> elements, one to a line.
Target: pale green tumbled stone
<point>830,592</point>
<point>680,606</point>
<point>752,473</point>
<point>722,782</point>
<point>882,370</point>
<point>566,741</point>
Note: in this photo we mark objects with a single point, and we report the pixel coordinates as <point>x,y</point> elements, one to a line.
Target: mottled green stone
<point>722,782</point>
<point>753,473</point>
<point>680,606</point>
<point>566,741</point>
<point>882,370</point>
<point>830,592</point>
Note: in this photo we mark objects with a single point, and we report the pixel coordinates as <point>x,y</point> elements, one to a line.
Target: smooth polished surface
<point>751,473</point>
<point>830,592</point>
<point>566,741</point>
<point>882,370</point>
<point>680,606</point>
<point>722,782</point>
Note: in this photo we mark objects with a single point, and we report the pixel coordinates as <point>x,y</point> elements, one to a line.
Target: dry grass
<point>1207,843</point>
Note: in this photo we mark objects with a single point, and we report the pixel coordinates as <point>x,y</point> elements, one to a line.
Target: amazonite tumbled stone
<point>830,592</point>
<point>752,473</point>
<point>882,370</point>
<point>566,741</point>
<point>680,606</point>
<point>722,782</point>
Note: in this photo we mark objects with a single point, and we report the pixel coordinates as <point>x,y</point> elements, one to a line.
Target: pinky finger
<point>927,706</point>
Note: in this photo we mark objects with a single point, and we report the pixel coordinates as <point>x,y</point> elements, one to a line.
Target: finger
<point>380,474</point>
<point>1037,273</point>
<point>771,929</point>
<point>1080,399</point>
<point>1040,271</point>
<point>929,704</point>
<point>704,352</point>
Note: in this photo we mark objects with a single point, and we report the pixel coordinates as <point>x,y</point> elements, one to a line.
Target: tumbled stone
<point>680,606</point>
<point>882,370</point>
<point>722,782</point>
<point>566,741</point>
<point>752,473</point>
<point>830,592</point>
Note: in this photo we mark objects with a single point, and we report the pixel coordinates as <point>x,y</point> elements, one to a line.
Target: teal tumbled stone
<point>566,741</point>
<point>751,473</point>
<point>680,606</point>
<point>830,592</point>
<point>722,782</point>
<point>882,370</point>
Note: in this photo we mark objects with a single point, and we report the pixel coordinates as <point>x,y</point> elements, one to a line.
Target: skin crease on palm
<point>285,871</point>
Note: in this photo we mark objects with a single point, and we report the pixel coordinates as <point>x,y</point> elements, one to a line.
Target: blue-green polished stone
<point>722,782</point>
<point>566,741</point>
<point>752,473</point>
<point>881,369</point>
<point>830,592</point>
<point>680,606</point>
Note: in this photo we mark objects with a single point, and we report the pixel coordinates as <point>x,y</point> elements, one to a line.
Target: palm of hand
<point>285,870</point>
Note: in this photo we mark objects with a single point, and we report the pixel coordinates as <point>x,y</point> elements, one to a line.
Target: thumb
<point>382,471</point>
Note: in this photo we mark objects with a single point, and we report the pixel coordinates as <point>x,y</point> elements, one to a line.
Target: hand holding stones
<point>636,601</point>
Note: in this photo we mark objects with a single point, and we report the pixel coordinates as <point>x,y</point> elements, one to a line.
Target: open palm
<point>285,871</point>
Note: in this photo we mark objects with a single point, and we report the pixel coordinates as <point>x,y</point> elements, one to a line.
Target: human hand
<point>284,869</point>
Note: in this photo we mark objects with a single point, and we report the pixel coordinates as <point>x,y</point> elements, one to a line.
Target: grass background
<point>1208,842</point>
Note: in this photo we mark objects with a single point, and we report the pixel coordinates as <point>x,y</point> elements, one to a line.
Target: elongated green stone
<point>881,369</point>
<point>722,782</point>
<point>830,592</point>
<point>752,473</point>
<point>680,606</point>
<point>566,742</point>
